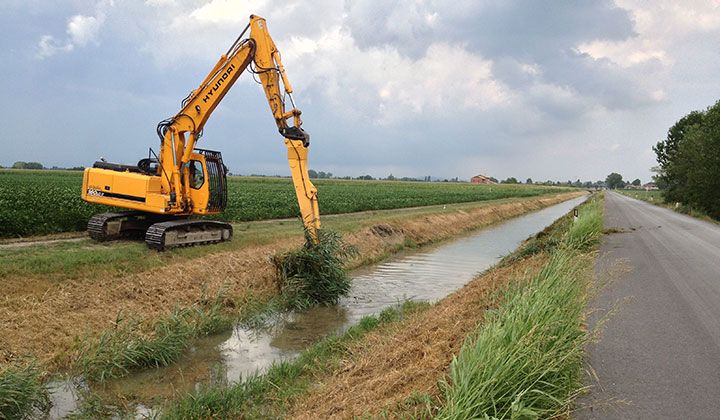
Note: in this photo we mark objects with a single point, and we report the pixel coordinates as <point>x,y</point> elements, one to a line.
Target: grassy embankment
<point>52,310</point>
<point>399,231</point>
<point>508,345</point>
<point>526,359</point>
<point>656,197</point>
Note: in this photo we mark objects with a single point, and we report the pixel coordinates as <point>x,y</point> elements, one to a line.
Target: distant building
<point>482,179</point>
<point>650,186</point>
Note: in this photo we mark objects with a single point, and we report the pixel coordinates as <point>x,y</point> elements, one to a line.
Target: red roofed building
<point>482,179</point>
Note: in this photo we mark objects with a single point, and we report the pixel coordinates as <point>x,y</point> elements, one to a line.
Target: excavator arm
<point>180,133</point>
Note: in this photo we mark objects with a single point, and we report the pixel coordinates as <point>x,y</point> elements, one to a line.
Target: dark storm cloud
<point>514,35</point>
<point>535,29</point>
<point>521,29</point>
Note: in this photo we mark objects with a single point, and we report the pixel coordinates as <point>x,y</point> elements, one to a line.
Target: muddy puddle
<point>428,274</point>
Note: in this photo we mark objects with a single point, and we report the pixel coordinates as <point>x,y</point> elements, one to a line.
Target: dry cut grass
<point>47,318</point>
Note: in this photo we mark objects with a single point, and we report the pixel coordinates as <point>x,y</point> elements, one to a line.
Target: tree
<point>666,149</point>
<point>614,180</point>
<point>673,164</point>
<point>313,173</point>
<point>19,165</point>
<point>391,177</point>
<point>636,182</point>
<point>511,180</point>
<point>689,161</point>
<point>658,178</point>
<point>493,179</point>
<point>529,181</point>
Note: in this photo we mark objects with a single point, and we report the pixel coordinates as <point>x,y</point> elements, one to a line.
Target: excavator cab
<point>207,178</point>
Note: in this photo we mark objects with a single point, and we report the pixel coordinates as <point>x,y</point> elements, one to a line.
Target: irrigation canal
<point>428,274</point>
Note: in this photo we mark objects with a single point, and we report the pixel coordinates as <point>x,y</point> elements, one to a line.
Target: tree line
<point>615,180</point>
<point>37,165</point>
<point>689,159</point>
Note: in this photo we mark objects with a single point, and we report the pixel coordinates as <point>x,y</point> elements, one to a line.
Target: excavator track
<point>129,224</point>
<point>112,226</point>
<point>181,233</point>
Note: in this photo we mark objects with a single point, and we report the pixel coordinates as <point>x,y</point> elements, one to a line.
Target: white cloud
<point>625,53</point>
<point>84,29</point>
<point>661,27</point>
<point>81,30</point>
<point>389,86</point>
<point>159,2</point>
<point>227,11</point>
<point>48,46</point>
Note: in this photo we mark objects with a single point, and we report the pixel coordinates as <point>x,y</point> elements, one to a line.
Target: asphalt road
<point>658,357</point>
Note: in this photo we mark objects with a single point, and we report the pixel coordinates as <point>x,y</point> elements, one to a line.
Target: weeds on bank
<point>129,345</point>
<point>315,274</point>
<point>21,392</point>
<point>269,394</point>
<point>526,359</point>
<point>310,276</point>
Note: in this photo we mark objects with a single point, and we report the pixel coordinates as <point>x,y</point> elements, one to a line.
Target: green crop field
<point>43,201</point>
<point>654,196</point>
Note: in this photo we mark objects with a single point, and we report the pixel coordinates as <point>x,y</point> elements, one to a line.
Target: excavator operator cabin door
<point>215,182</point>
<point>198,185</point>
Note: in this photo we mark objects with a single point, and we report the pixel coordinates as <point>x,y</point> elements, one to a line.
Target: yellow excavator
<point>161,191</point>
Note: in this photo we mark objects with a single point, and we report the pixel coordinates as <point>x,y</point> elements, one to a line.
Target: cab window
<point>197,176</point>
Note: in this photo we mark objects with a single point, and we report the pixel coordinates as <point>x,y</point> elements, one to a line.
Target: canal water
<point>428,274</point>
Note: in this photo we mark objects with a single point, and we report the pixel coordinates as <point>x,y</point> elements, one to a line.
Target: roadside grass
<point>267,395</point>
<point>655,197</point>
<point>21,392</point>
<point>525,361</point>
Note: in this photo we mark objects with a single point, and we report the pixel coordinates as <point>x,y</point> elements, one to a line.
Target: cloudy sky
<point>550,90</point>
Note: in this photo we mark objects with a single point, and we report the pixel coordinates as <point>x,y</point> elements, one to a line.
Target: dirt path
<point>42,240</point>
<point>47,318</point>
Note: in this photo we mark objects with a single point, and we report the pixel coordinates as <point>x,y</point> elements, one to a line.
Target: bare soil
<point>48,318</point>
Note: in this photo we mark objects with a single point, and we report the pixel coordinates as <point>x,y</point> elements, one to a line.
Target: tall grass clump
<point>525,361</point>
<point>585,232</point>
<point>315,274</point>
<point>130,345</point>
<point>22,394</point>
